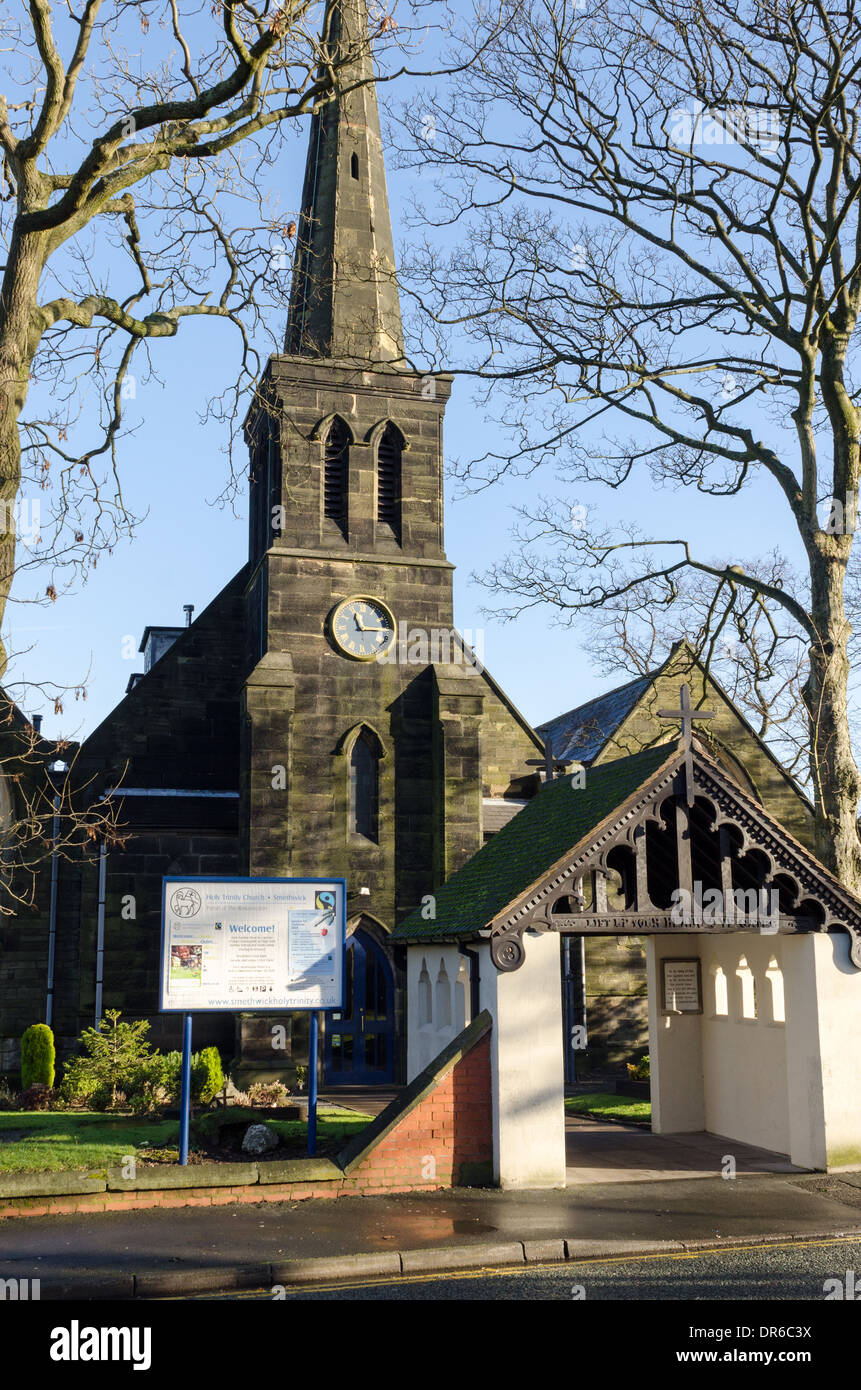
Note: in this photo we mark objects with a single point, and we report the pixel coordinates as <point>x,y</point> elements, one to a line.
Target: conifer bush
<point>38,1057</point>
<point>116,1054</point>
<point>207,1074</point>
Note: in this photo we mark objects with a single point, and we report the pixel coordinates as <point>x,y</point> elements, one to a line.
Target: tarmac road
<point>796,1271</point>
<point>165,1253</point>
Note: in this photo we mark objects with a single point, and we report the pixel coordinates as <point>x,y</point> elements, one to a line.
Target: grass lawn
<point>49,1141</point>
<point>610,1107</point>
<point>334,1124</point>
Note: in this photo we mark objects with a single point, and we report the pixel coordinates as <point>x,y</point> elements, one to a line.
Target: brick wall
<point>443,1140</point>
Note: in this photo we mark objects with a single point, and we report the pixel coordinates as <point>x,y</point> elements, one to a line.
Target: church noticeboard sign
<point>681,985</point>
<point>252,943</point>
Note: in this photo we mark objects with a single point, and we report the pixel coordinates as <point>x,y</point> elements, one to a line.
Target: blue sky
<point>186,549</point>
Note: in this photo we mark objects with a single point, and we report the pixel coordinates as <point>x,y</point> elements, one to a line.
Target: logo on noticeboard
<point>184,902</point>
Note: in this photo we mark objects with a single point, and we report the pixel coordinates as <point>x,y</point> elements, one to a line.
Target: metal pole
<point>185,1090</point>
<point>100,932</point>
<point>52,917</point>
<point>312,1086</point>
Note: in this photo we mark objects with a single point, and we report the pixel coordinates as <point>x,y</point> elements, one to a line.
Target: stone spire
<point>344,300</point>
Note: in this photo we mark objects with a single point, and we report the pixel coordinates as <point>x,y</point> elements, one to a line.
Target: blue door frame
<point>359,1045</point>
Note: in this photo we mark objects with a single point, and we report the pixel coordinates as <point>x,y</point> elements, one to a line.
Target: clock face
<point>362,627</point>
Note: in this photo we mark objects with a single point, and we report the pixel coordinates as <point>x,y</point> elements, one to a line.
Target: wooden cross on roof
<point>687,714</point>
<point>550,764</point>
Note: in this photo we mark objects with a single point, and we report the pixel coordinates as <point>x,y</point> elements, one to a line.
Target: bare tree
<point>137,140</point>
<point>662,271</point>
<point>47,808</point>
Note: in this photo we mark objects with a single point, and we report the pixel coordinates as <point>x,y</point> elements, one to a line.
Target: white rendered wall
<point>823,1017</point>
<point>434,974</point>
<point>528,1074</point>
<point>526,1045</point>
<point>790,1083</point>
<point>675,1048</point>
<point>724,1070</point>
<point>744,1057</point>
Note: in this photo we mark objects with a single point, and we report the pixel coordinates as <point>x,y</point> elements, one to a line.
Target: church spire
<point>344,299</point>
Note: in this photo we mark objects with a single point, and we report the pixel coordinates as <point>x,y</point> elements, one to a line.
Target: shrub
<point>172,1073</point>
<point>207,1075</point>
<point>116,1053</point>
<point>36,1097</point>
<point>78,1086</point>
<point>268,1093</point>
<point>147,1086</point>
<point>8,1095</point>
<point>38,1057</point>
<point>639,1071</point>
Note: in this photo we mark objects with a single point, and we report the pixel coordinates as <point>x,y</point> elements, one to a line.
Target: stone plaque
<point>681,985</point>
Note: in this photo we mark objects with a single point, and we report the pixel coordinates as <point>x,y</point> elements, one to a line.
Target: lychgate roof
<point>557,818</point>
<point>661,820</point>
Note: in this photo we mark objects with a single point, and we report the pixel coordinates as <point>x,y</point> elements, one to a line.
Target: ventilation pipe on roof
<point>188,610</point>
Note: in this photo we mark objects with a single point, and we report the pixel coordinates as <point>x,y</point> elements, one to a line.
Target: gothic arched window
<point>389,451</point>
<point>365,787</point>
<point>336,473</point>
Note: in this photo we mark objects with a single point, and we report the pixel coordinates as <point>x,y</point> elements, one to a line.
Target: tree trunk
<point>834,774</point>
<point>19,337</point>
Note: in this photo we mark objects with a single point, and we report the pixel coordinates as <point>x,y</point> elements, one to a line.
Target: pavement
<point>652,1195</point>
<point>368,1100</point>
<point>599,1151</point>
<point>629,1193</point>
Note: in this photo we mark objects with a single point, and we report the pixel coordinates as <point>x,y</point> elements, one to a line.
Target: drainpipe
<point>474,981</point>
<point>52,917</point>
<point>100,932</point>
<point>581,962</point>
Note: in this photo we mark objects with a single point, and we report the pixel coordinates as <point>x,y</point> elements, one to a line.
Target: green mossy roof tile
<point>554,821</point>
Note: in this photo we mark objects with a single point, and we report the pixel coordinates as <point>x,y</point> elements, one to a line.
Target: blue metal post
<point>312,1085</point>
<point>185,1090</point>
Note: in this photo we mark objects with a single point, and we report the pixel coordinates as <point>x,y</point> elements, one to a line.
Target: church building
<point>322,716</point>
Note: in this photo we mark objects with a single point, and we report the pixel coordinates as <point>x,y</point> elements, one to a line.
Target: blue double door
<point>359,1045</point>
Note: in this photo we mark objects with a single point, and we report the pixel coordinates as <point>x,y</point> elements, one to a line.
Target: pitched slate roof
<point>558,818</point>
<point>583,731</point>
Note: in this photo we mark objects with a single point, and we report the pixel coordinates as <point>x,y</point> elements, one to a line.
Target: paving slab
<point>601,1151</point>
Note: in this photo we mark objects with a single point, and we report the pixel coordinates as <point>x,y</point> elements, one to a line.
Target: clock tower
<point>361,712</point>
